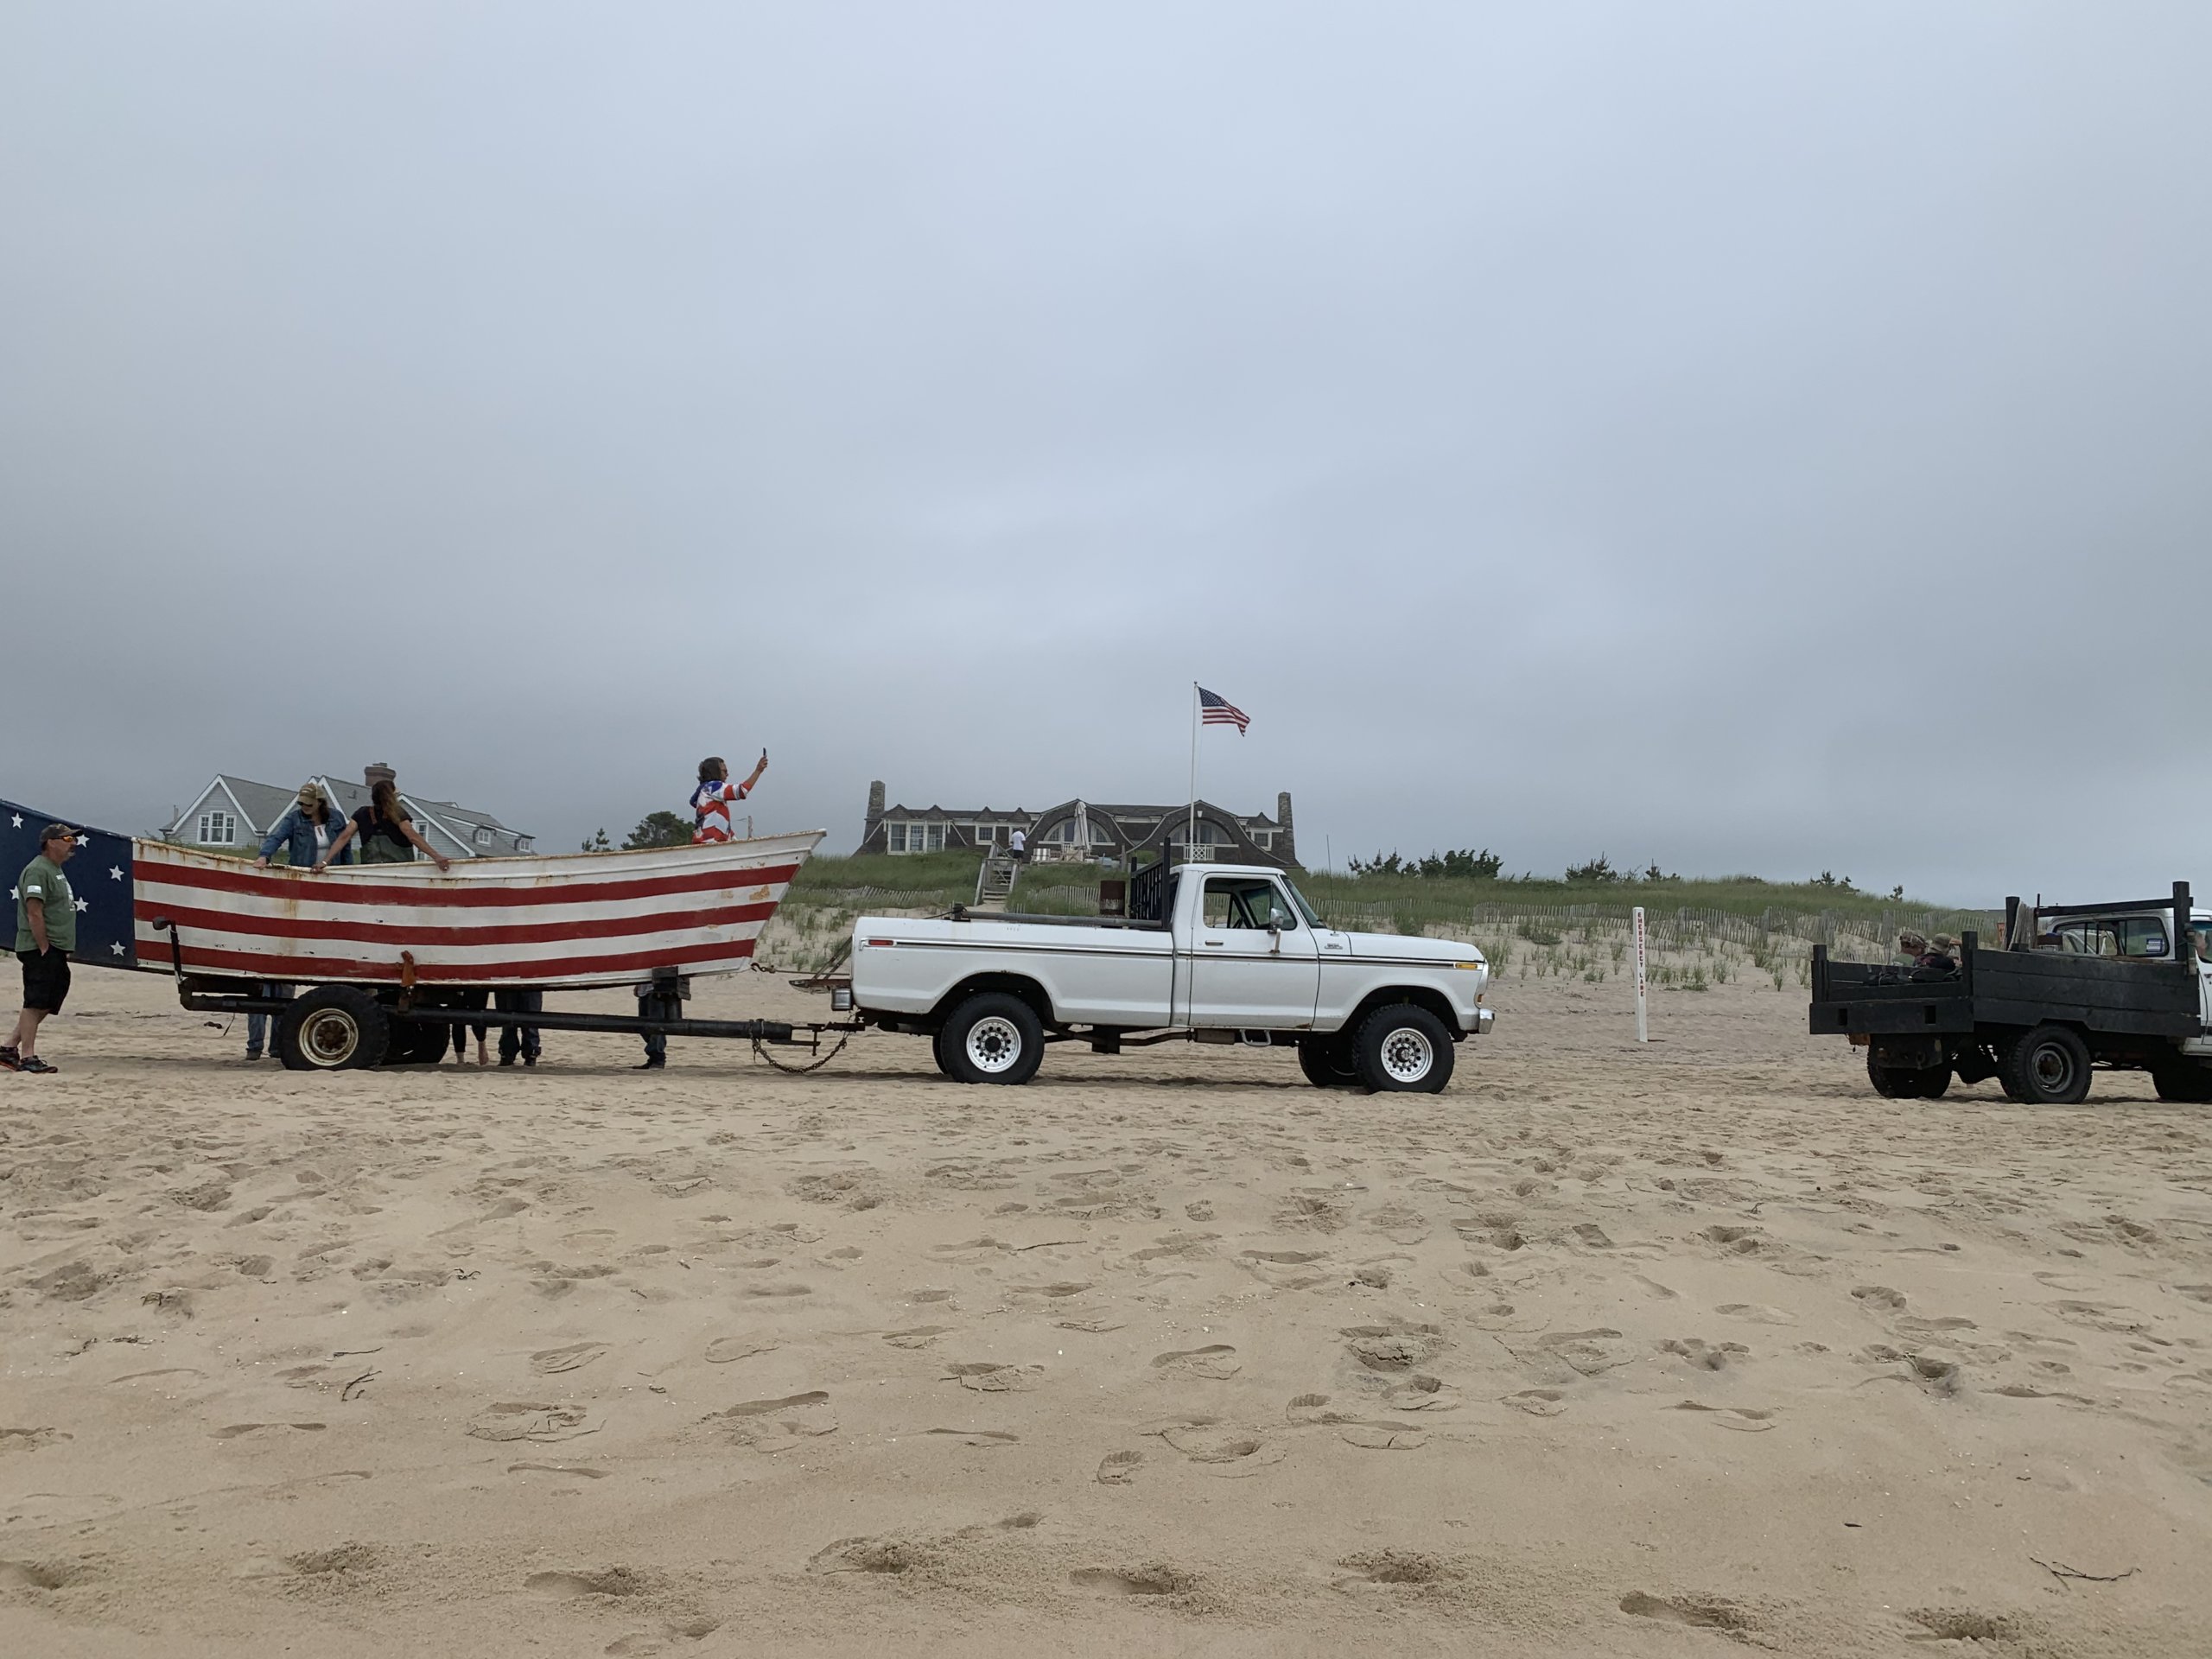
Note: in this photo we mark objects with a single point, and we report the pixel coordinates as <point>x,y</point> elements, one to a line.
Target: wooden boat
<point>554,922</point>
<point>563,921</point>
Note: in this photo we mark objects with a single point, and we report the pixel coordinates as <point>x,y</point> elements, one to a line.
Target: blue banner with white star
<point>100,874</point>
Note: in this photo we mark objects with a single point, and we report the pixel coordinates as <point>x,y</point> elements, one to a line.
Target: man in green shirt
<point>46,932</point>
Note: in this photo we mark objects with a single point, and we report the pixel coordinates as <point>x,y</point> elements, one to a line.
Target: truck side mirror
<point>1277,921</point>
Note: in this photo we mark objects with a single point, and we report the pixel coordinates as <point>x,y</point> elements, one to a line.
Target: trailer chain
<point>761,1050</point>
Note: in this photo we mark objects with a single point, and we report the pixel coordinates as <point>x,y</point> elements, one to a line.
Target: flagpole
<point>1190,830</point>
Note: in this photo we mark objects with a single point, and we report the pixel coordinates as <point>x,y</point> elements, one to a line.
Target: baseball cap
<point>57,832</point>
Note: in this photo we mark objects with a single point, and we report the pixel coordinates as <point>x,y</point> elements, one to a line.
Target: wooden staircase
<point>995,882</point>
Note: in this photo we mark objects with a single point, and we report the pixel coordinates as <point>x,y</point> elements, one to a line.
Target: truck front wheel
<point>2189,1081</point>
<point>2047,1066</point>
<point>992,1038</point>
<point>1327,1063</point>
<point>1403,1048</point>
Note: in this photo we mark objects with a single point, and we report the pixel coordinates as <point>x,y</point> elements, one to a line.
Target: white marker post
<point>1642,1031</point>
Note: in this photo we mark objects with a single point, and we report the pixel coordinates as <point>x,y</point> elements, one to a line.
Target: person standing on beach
<point>710,801</point>
<point>386,832</point>
<point>306,834</point>
<point>46,932</point>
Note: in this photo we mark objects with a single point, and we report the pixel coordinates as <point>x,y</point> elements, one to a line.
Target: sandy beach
<point>1604,1351</point>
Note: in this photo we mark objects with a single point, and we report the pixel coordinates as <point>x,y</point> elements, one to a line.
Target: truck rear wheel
<point>2047,1066</point>
<point>992,1038</point>
<point>1327,1063</point>
<point>1907,1082</point>
<point>332,1028</point>
<point>416,1042</point>
<point>2187,1081</point>
<point>1403,1048</point>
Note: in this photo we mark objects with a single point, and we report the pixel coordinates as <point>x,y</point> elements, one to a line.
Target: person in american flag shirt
<point>710,801</point>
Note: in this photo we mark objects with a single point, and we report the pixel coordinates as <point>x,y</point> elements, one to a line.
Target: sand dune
<point>1604,1351</point>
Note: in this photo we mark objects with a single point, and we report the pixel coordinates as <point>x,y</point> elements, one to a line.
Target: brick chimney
<point>1286,838</point>
<point>874,810</point>
<point>380,773</point>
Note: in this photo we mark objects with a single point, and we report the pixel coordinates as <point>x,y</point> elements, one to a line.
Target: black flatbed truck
<point>2039,1019</point>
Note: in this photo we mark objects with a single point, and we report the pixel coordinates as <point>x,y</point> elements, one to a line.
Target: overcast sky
<point>1751,437</point>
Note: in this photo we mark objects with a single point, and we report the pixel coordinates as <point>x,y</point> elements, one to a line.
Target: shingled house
<point>1086,829</point>
<point>233,814</point>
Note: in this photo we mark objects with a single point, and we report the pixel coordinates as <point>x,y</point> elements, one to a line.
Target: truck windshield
<point>1313,916</point>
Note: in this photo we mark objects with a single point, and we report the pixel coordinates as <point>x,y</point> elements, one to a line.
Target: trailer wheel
<point>333,1028</point>
<point>992,1038</point>
<point>2047,1066</point>
<point>416,1042</point>
<point>1327,1063</point>
<point>1403,1048</point>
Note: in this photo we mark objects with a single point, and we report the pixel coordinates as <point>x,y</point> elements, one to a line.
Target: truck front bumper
<point>1484,1019</point>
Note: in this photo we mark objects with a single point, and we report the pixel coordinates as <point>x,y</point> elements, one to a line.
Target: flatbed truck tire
<point>333,1028</point>
<point>992,1038</point>
<point>1327,1063</point>
<point>1907,1082</point>
<point>416,1042</point>
<point>2186,1081</point>
<point>2047,1066</point>
<point>1403,1048</point>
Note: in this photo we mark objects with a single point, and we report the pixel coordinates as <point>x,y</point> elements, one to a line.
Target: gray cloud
<point>1712,433</point>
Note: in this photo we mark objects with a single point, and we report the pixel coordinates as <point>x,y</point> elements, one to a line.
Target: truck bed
<point>2006,988</point>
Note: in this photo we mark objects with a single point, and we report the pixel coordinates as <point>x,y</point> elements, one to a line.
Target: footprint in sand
<point>1287,1269</point>
<point>1395,1566</point>
<point>611,1581</point>
<point>1742,1419</point>
<point>231,1432</point>
<point>1700,1612</point>
<point>521,1419</point>
<point>1383,1437</point>
<point>1397,1346</point>
<point>1311,1410</point>
<point>1702,1355</point>
<point>724,1350</point>
<point>1421,1392</point>
<point>920,1336</point>
<point>1153,1578</point>
<point>1116,1468</point>
<point>988,1376</point>
<point>986,1437</point>
<point>1757,1314</point>
<point>29,1439</point>
<point>1217,1361</point>
<point>1879,1296</point>
<point>551,1362</point>
<point>1537,1402</point>
<point>1218,1448</point>
<point>772,1425</point>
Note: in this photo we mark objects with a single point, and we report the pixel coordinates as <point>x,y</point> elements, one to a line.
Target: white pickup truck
<point>1216,953</point>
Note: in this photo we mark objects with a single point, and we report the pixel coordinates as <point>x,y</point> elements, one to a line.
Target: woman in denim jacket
<point>307,829</point>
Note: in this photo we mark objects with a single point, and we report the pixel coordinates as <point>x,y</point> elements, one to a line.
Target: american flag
<point>601,918</point>
<point>1214,709</point>
<point>100,874</point>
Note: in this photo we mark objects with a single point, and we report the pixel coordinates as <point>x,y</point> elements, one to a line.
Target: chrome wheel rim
<point>993,1043</point>
<point>1407,1056</point>
<point>331,1038</point>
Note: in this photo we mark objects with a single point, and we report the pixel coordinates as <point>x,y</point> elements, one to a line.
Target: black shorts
<point>46,980</point>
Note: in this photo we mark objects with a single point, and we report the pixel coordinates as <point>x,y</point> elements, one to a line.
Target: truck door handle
<point>1216,941</point>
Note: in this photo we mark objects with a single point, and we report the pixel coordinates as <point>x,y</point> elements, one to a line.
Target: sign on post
<point>1642,1030</point>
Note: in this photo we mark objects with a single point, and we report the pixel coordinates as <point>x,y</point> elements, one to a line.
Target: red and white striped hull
<point>566,921</point>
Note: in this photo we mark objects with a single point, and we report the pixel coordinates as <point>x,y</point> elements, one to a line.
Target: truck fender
<point>1014,984</point>
<point>1421,996</point>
